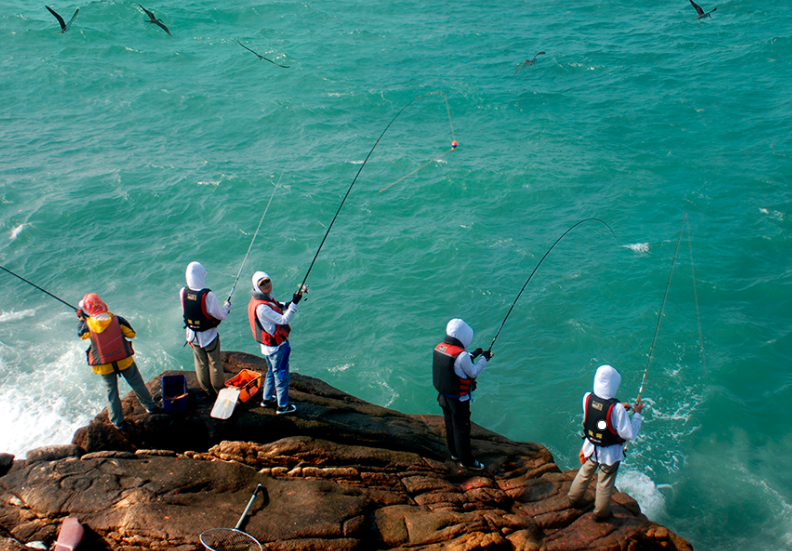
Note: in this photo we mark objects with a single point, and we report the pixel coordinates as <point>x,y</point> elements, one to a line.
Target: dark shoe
<point>476,466</point>
<point>576,504</point>
<point>454,458</point>
<point>269,404</point>
<point>155,409</point>
<point>599,519</point>
<point>291,408</point>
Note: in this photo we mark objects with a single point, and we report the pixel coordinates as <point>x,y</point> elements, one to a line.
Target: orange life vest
<point>261,336</point>
<point>109,346</point>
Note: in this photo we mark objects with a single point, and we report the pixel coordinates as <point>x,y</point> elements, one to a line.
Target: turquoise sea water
<point>125,154</point>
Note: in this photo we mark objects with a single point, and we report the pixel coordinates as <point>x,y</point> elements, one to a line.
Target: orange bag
<point>248,382</point>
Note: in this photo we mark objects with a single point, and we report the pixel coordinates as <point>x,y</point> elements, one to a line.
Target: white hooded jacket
<point>196,280</point>
<point>606,385</point>
<point>269,318</point>
<point>463,365</point>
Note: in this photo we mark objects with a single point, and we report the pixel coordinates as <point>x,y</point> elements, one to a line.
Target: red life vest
<point>597,424</point>
<point>109,346</point>
<point>261,336</point>
<point>195,315</point>
<point>446,381</point>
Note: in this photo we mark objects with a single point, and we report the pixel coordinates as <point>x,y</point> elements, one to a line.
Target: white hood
<point>606,382</point>
<point>258,276</point>
<point>460,330</point>
<point>195,276</point>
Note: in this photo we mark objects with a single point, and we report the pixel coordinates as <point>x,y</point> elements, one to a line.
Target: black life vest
<point>446,381</point>
<point>109,346</point>
<point>597,424</point>
<point>195,315</point>
<point>261,336</point>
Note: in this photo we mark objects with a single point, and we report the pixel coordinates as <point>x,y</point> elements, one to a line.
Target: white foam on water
<point>30,421</point>
<point>13,316</point>
<point>15,231</point>
<point>778,215</point>
<point>638,247</point>
<point>644,491</point>
<point>46,390</point>
<point>340,368</point>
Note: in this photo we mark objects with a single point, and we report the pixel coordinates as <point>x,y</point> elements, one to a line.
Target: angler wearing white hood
<point>269,322</point>
<point>454,375</point>
<point>606,426</point>
<point>202,315</point>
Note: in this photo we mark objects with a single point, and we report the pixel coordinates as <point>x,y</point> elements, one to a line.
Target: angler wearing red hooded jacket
<point>110,354</point>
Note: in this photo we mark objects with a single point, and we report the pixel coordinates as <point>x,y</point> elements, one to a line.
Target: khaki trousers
<point>208,367</point>
<point>606,482</point>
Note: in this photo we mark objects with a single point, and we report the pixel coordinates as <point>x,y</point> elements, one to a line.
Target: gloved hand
<point>477,352</point>
<point>81,314</point>
<point>296,298</point>
<point>487,354</point>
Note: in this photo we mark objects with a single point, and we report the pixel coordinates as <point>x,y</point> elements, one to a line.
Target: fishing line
<point>537,267</point>
<point>39,288</point>
<point>417,169</point>
<point>662,307</point>
<point>695,298</point>
<point>358,174</point>
<point>453,143</point>
<point>254,238</point>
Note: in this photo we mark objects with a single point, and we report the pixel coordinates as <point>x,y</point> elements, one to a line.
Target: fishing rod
<point>537,267</point>
<point>302,286</point>
<point>254,238</point>
<point>662,307</point>
<point>39,288</point>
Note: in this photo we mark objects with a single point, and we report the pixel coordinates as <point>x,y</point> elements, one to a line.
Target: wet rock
<point>339,475</point>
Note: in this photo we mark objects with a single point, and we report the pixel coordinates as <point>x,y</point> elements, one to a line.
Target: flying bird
<point>700,12</point>
<point>64,26</point>
<point>261,56</point>
<point>153,19</point>
<point>528,62</point>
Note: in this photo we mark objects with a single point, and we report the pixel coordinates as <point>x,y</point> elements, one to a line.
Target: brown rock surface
<point>339,475</point>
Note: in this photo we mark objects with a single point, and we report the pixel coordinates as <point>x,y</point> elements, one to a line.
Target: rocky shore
<point>339,475</point>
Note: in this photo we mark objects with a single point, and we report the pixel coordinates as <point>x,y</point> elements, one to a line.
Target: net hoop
<point>229,539</point>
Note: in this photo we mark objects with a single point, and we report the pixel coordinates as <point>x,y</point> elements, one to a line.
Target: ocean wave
<point>638,247</point>
<point>13,316</point>
<point>644,491</point>
<point>15,231</point>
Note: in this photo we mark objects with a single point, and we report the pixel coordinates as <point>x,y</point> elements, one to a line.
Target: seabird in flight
<point>153,19</point>
<point>528,62</point>
<point>64,26</point>
<point>261,56</point>
<point>700,11</point>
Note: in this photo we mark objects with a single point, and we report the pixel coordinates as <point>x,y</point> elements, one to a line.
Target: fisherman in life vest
<point>269,321</point>
<point>111,353</point>
<point>606,426</point>
<point>454,375</point>
<point>202,315</point>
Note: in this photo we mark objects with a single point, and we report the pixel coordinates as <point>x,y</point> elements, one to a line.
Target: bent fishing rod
<point>252,240</point>
<point>662,307</point>
<point>39,288</point>
<point>537,267</point>
<point>302,285</point>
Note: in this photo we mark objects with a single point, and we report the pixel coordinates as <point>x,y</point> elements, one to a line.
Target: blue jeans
<point>132,376</point>
<point>278,377</point>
